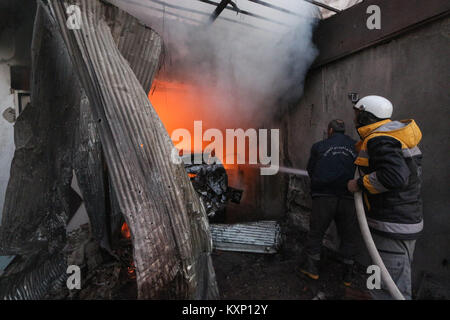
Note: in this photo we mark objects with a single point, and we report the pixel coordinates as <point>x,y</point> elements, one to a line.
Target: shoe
<point>309,268</point>
<point>348,274</point>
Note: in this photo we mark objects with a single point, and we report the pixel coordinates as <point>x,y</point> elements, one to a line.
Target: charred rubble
<point>210,180</point>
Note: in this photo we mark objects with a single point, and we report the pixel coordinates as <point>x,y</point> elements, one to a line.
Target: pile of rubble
<point>104,275</point>
<point>210,181</point>
<point>111,274</point>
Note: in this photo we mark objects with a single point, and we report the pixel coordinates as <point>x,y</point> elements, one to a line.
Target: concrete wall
<point>6,132</point>
<point>413,71</point>
<point>16,27</point>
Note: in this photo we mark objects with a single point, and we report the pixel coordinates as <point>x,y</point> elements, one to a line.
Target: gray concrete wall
<point>6,132</point>
<point>412,71</point>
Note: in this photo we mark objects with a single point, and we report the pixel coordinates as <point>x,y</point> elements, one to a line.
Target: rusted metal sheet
<point>169,227</point>
<point>257,237</point>
<point>347,31</point>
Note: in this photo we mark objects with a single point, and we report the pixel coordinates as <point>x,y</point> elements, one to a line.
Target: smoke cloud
<point>244,64</point>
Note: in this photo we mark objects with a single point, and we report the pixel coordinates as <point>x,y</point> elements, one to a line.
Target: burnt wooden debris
<point>90,115</point>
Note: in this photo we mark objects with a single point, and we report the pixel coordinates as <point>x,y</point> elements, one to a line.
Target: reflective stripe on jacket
<point>390,161</point>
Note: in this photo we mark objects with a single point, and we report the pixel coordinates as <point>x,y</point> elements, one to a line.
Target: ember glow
<point>125,231</point>
<point>131,271</point>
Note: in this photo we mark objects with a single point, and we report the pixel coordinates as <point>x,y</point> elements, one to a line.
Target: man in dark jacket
<point>330,167</point>
<point>389,162</point>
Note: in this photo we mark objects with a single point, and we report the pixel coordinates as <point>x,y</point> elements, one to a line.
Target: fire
<point>125,230</point>
<point>131,271</point>
<point>178,105</point>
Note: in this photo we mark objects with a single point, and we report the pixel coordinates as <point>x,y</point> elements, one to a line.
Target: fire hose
<point>373,252</point>
<point>367,237</point>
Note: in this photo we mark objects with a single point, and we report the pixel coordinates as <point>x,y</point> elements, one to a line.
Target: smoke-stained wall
<point>412,71</point>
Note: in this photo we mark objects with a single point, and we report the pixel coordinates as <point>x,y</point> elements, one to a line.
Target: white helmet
<point>378,106</point>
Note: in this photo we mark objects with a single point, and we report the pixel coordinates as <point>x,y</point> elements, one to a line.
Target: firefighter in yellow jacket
<point>389,161</point>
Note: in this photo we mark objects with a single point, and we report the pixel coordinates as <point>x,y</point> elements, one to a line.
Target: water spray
<point>294,171</point>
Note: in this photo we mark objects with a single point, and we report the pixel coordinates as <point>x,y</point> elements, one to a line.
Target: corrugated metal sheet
<point>35,284</point>
<point>4,262</point>
<point>258,237</point>
<point>169,225</point>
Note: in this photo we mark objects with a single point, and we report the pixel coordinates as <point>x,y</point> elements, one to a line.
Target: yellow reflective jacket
<point>389,160</point>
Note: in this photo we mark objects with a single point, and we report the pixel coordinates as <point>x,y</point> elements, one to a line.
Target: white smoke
<point>247,63</point>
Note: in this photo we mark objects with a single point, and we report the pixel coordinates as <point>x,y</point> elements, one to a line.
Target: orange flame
<point>125,230</point>
<point>131,271</point>
<point>178,105</point>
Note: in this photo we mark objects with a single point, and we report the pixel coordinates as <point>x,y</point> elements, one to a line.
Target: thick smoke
<point>245,63</point>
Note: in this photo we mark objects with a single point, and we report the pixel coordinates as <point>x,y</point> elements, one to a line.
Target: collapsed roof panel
<point>169,227</point>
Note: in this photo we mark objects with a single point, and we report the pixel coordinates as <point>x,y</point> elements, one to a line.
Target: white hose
<point>367,236</point>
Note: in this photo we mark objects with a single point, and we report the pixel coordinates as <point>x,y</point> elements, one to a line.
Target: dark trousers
<point>325,209</point>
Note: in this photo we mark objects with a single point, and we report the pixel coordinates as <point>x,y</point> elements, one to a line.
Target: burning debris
<point>105,275</point>
<point>210,180</point>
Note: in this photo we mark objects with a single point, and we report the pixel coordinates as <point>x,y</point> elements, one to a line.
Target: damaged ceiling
<point>266,16</point>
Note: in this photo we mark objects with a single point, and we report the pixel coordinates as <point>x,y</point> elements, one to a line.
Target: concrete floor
<point>276,277</point>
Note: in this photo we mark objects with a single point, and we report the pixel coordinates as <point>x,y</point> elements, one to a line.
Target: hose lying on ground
<point>373,252</point>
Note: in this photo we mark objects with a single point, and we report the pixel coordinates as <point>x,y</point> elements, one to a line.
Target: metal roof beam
<point>269,5</point>
<point>220,7</point>
<point>197,12</point>
<point>323,5</point>
<point>244,12</point>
